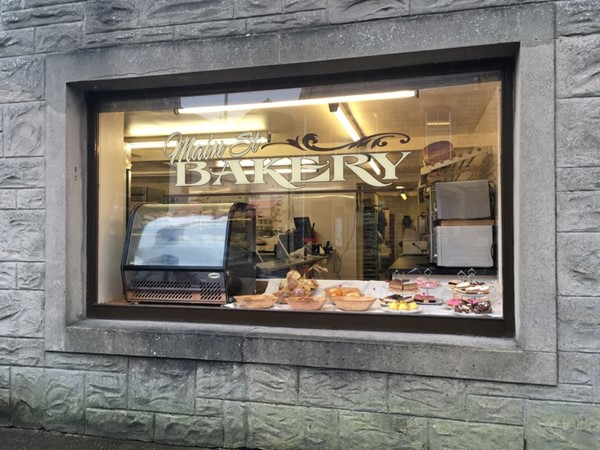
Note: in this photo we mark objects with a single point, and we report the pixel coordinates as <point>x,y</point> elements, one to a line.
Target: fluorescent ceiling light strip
<point>149,144</point>
<point>157,144</point>
<point>375,167</point>
<point>300,102</point>
<point>345,121</point>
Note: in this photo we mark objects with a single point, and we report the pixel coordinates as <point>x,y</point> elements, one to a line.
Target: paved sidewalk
<point>21,439</point>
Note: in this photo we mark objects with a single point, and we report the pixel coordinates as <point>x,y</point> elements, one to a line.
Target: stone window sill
<point>492,359</point>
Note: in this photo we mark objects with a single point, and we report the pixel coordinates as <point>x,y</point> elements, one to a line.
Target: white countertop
<point>380,290</point>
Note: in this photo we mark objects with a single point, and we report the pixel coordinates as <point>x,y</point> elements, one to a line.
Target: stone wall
<point>231,404</point>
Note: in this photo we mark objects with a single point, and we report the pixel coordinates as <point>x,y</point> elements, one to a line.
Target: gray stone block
<point>430,397</point>
<point>362,430</point>
<point>11,5</point>
<point>111,15</point>
<point>165,341</point>
<point>8,197</point>
<point>343,389</point>
<point>22,313</point>
<point>578,211</point>
<point>566,392</point>
<point>578,261</point>
<point>47,15</point>
<point>30,199</point>
<point>28,401</point>
<point>246,8</point>
<point>475,436</point>
<point>47,398</point>
<point>201,431</point>
<point>577,133</point>
<point>21,172</point>
<point>23,233</point>
<point>175,12</point>
<point>221,380</point>
<point>24,130</point>
<point>4,408</point>
<point>21,80</point>
<point>234,424</point>
<point>209,407</point>
<point>502,410</point>
<point>578,179</point>
<point>58,38</point>
<point>4,376</point>
<point>596,380</point>
<point>562,425</point>
<point>106,390</point>
<point>577,66</point>
<point>96,363</point>
<point>303,5</point>
<point>576,368</point>
<point>128,37</point>
<point>8,275</point>
<point>161,385</point>
<point>341,11</point>
<point>30,276</point>
<point>577,17</point>
<point>286,427</point>
<point>21,352</point>
<point>579,324</point>
<point>437,6</point>
<point>16,43</point>
<point>280,22</point>
<point>210,29</point>
<point>272,384</point>
<point>120,424</point>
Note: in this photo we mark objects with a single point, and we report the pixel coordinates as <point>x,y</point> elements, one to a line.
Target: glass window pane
<point>390,187</point>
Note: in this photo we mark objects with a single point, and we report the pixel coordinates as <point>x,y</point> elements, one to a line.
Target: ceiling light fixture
<point>300,102</point>
<point>403,195</point>
<point>160,144</point>
<point>347,120</point>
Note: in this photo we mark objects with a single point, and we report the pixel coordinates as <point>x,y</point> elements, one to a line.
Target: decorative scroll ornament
<point>310,141</point>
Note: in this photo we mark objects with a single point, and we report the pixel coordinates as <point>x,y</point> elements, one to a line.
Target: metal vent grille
<point>140,284</point>
<point>161,295</point>
<point>176,292</point>
<point>210,291</point>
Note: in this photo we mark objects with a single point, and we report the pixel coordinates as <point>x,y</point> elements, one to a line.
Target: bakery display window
<point>371,200</point>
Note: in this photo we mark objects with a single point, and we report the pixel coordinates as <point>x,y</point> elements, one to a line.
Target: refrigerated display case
<point>189,253</point>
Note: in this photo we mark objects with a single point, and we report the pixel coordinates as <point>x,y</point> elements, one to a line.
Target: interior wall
<point>336,220</point>
<point>112,166</point>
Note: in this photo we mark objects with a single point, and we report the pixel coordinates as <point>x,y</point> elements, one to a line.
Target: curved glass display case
<point>189,253</point>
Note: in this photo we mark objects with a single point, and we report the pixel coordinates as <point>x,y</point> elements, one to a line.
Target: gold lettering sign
<point>190,158</point>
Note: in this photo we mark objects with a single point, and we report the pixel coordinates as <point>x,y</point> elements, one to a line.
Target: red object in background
<point>437,152</point>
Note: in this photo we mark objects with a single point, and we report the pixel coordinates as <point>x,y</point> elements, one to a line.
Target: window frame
<point>489,327</point>
<point>530,357</point>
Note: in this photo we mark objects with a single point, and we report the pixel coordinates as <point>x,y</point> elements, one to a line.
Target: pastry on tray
<point>426,283</point>
<point>473,307</point>
<point>471,288</point>
<point>425,298</point>
<point>404,285</point>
